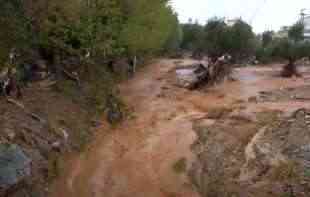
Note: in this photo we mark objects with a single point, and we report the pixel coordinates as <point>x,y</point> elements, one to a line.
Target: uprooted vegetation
<point>204,74</point>
<point>270,159</point>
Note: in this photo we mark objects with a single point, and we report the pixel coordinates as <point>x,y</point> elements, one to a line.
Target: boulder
<point>14,166</point>
<point>282,143</point>
<point>114,114</point>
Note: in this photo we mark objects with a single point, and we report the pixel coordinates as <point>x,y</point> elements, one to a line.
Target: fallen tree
<point>193,76</point>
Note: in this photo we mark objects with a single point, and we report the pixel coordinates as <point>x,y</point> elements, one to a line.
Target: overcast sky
<point>262,14</point>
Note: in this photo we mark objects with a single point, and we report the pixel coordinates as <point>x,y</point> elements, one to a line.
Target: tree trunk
<point>134,64</point>
<point>290,70</point>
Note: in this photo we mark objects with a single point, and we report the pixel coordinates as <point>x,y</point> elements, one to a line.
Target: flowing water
<point>136,159</point>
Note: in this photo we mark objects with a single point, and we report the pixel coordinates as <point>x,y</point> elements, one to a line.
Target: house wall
<point>307,27</point>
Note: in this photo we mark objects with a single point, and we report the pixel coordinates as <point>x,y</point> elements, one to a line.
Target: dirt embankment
<point>150,153</point>
<point>50,126</point>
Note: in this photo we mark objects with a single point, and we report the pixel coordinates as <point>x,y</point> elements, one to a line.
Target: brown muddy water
<point>137,158</point>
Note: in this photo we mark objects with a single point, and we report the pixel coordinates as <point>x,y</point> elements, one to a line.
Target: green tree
<point>193,35</point>
<point>237,40</point>
<point>217,40</point>
<point>104,29</point>
<point>175,37</point>
<point>147,26</point>
<point>291,51</point>
<point>292,48</point>
<point>296,32</point>
<point>15,31</point>
<point>242,40</point>
<point>100,27</point>
<point>267,38</point>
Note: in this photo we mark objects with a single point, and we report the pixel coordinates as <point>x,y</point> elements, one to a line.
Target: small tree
<point>292,48</point>
<point>237,40</point>
<point>265,47</point>
<point>192,36</point>
<point>296,32</point>
<point>217,38</point>
<point>242,40</point>
<point>15,28</point>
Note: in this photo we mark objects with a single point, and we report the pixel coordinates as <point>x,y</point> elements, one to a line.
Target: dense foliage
<point>217,38</point>
<point>192,36</point>
<point>91,43</point>
<point>103,28</point>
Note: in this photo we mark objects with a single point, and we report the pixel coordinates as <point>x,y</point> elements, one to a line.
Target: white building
<point>232,22</point>
<point>307,27</point>
<point>282,33</point>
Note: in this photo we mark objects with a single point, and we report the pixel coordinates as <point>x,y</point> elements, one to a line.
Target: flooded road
<point>136,159</point>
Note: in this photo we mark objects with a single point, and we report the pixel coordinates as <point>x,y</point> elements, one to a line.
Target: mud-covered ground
<point>260,146</point>
<point>179,142</point>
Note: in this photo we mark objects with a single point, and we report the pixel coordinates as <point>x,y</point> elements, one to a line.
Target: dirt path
<point>137,158</point>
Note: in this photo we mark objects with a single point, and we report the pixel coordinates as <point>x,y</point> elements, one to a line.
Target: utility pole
<point>302,15</point>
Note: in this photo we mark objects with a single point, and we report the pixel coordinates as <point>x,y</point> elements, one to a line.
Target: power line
<point>257,11</point>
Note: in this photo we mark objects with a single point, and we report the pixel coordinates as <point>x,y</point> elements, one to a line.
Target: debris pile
<point>205,72</point>
<point>191,76</point>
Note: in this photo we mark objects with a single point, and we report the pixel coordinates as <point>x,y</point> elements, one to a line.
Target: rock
<point>10,134</point>
<point>14,166</point>
<point>57,146</point>
<point>253,99</point>
<point>114,116</point>
<point>300,113</point>
<point>304,152</point>
<point>65,134</point>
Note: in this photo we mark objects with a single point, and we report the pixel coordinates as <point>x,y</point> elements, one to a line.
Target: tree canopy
<point>104,28</point>
<point>217,38</point>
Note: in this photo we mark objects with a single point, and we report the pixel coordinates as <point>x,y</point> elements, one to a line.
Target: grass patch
<point>286,171</point>
<point>269,118</point>
<point>307,173</point>
<point>180,166</point>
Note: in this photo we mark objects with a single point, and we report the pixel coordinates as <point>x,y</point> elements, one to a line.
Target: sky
<point>261,14</point>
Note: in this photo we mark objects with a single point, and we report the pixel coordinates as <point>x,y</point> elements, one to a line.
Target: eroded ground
<point>141,157</point>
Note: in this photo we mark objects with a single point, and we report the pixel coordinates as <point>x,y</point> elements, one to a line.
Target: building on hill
<point>232,22</point>
<point>282,33</point>
<point>306,21</point>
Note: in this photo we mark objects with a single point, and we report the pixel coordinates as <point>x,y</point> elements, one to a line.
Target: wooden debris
<point>28,112</point>
<point>72,76</point>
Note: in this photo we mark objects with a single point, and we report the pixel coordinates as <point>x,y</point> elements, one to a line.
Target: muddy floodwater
<point>136,158</point>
